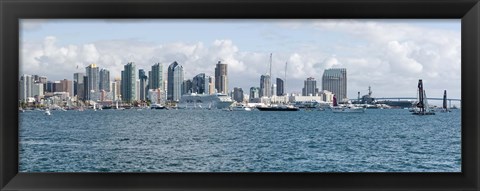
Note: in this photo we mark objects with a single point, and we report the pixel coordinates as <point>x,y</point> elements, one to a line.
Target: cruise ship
<point>205,101</point>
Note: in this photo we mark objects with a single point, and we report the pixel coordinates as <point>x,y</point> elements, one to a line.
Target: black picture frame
<point>13,10</point>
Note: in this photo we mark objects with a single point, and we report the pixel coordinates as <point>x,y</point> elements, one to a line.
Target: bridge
<point>414,98</point>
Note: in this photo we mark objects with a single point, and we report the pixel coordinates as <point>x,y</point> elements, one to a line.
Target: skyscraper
<point>335,81</point>
<point>221,79</point>
<point>66,86</point>
<point>129,82</point>
<point>78,85</point>
<point>254,92</point>
<point>92,72</point>
<point>187,87</point>
<point>209,85</point>
<point>156,77</point>
<point>200,84</point>
<point>143,84</point>
<point>280,87</point>
<point>175,81</point>
<point>118,83</point>
<point>104,82</point>
<point>238,94</point>
<point>265,86</point>
<point>310,87</point>
<point>26,83</point>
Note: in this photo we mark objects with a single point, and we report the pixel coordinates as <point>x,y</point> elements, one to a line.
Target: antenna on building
<point>270,73</point>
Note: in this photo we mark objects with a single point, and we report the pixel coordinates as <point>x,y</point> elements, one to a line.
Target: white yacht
<point>205,101</point>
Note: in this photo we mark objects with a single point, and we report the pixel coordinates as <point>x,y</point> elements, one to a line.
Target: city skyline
<point>309,47</point>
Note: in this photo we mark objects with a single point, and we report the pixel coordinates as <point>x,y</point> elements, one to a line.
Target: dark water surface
<point>220,141</point>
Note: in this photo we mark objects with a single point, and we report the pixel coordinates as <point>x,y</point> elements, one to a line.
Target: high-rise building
<point>175,81</point>
<point>118,93</point>
<point>129,82</point>
<point>86,93</point>
<point>310,87</point>
<point>209,85</point>
<point>238,94</point>
<point>265,86</point>
<point>335,81</point>
<point>78,85</point>
<point>49,86</point>
<point>187,87</point>
<point>114,91</point>
<point>155,80</point>
<point>254,92</point>
<point>26,83</point>
<point>92,72</point>
<point>280,87</point>
<point>202,84</point>
<point>104,82</point>
<point>65,86</point>
<point>221,79</point>
<point>143,84</point>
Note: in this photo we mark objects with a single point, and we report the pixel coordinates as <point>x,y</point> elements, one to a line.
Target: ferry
<point>205,101</point>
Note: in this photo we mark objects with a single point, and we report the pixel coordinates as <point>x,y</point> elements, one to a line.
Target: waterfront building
<point>137,90</point>
<point>327,96</point>
<point>238,94</point>
<point>104,81</point>
<point>265,86</point>
<point>143,84</point>
<point>280,87</point>
<point>118,93</point>
<point>92,72</point>
<point>187,87</point>
<point>221,79</point>
<point>174,81</point>
<point>210,82</point>
<point>335,81</point>
<point>49,87</point>
<point>200,85</point>
<point>86,93</point>
<point>273,90</point>
<point>64,86</point>
<point>26,83</point>
<point>310,87</point>
<point>37,90</point>
<point>129,83</point>
<point>155,79</point>
<point>254,95</point>
<point>113,86</point>
<point>78,85</point>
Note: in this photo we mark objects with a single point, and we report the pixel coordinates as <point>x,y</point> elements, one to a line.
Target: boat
<point>346,108</point>
<point>444,108</point>
<point>278,108</point>
<point>240,108</point>
<point>47,112</point>
<point>157,106</point>
<point>422,107</point>
<point>205,101</point>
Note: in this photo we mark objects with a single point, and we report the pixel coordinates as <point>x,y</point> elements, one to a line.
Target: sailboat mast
<point>285,82</point>
<point>445,99</point>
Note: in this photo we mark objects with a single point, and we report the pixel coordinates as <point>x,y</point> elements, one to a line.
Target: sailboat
<point>422,107</point>
<point>444,108</point>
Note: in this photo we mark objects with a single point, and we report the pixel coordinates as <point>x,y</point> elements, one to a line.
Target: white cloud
<point>390,57</point>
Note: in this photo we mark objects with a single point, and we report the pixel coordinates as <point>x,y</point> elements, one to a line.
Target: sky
<point>388,55</point>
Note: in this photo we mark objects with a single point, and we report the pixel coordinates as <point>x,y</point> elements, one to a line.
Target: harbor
<point>388,140</point>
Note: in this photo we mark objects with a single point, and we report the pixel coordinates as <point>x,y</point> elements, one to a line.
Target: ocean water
<point>239,141</point>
